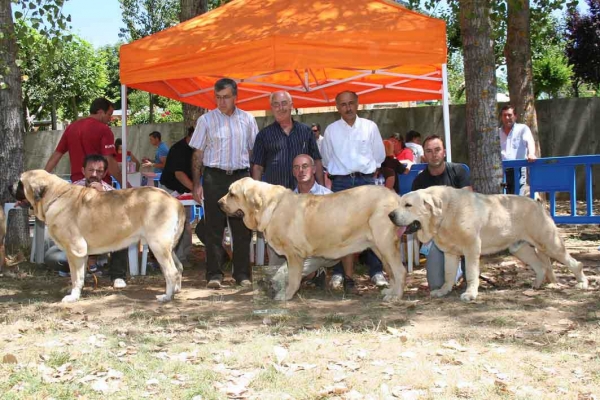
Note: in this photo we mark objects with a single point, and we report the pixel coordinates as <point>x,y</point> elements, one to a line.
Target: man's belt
<point>227,171</point>
<point>352,175</point>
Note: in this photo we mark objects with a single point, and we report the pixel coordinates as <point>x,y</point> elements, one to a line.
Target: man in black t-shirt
<point>177,176</point>
<point>177,173</point>
<point>439,172</point>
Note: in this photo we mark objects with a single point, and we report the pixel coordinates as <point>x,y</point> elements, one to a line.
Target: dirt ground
<point>513,342</point>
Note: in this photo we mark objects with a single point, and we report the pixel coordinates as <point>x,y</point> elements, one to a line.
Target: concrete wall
<point>566,127</point>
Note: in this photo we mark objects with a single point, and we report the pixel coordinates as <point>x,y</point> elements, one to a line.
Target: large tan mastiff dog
<point>299,226</point>
<point>465,223</point>
<point>84,221</point>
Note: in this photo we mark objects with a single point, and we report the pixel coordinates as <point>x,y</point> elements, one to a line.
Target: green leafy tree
<point>583,51</point>
<point>145,17</point>
<point>110,55</point>
<point>47,17</point>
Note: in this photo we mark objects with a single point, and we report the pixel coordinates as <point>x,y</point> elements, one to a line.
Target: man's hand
<point>408,164</point>
<point>97,185</point>
<point>531,158</point>
<point>198,193</point>
<point>147,164</point>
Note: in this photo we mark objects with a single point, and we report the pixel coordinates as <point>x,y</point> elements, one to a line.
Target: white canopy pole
<point>124,136</point>
<point>446,112</point>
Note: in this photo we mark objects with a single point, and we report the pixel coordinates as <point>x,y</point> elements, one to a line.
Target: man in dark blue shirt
<point>278,144</point>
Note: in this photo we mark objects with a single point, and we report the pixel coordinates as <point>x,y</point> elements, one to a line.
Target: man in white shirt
<point>516,143</point>
<point>223,140</point>
<point>352,151</point>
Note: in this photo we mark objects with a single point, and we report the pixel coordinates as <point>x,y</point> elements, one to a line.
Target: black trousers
<point>216,185</point>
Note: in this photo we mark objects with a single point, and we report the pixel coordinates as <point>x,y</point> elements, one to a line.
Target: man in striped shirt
<point>223,140</point>
<point>276,147</point>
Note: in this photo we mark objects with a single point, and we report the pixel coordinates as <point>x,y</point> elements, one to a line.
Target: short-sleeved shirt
<point>179,159</point>
<point>454,175</point>
<point>275,151</point>
<point>417,150</point>
<point>161,151</point>
<point>226,140</point>
<point>82,138</point>
<point>514,145</point>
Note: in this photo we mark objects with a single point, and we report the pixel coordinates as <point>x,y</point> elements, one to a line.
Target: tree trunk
<point>519,66</point>
<point>191,9</point>
<point>480,88</point>
<point>11,116</point>
<point>53,113</point>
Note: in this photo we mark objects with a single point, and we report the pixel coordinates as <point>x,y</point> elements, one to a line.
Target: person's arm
<point>319,174</point>
<point>136,161</point>
<point>197,191</point>
<point>257,172</point>
<point>161,164</point>
<point>464,178</point>
<point>53,161</point>
<point>184,180</point>
<point>113,169</point>
<point>530,145</point>
<point>378,147</point>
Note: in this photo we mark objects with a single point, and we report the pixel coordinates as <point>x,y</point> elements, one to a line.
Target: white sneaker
<point>337,282</point>
<point>119,284</point>
<point>379,280</point>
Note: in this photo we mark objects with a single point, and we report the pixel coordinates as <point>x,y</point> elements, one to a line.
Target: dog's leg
<point>472,271</point>
<point>168,268</point>
<point>555,248</point>
<point>179,267</point>
<point>392,264</point>
<point>295,265</point>
<point>526,253</point>
<point>450,269</point>
<point>77,269</point>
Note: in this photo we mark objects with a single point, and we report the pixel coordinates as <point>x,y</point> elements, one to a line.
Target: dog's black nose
<point>392,215</point>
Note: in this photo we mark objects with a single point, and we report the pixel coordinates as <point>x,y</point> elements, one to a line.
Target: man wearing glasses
<point>276,147</point>
<point>223,140</point>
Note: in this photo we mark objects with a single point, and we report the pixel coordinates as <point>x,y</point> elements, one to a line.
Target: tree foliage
<point>67,76</point>
<point>583,49</point>
<point>145,17</point>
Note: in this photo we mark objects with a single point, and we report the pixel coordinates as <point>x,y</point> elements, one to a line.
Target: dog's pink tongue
<point>400,230</point>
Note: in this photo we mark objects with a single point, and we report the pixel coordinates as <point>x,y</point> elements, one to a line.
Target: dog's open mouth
<point>413,227</point>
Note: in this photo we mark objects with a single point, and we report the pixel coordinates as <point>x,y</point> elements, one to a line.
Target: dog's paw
<point>468,297</point>
<point>439,292</point>
<point>392,298</point>
<point>163,298</point>
<point>386,292</point>
<point>70,298</point>
<point>583,284</point>
<point>279,297</point>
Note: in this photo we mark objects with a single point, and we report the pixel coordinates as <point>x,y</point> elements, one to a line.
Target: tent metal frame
<point>306,85</point>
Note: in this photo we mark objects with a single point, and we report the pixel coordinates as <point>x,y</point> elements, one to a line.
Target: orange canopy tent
<point>314,49</point>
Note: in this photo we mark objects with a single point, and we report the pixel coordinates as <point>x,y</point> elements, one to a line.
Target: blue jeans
<point>367,256</point>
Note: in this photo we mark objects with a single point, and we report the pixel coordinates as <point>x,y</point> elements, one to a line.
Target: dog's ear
<point>254,198</point>
<point>38,192</point>
<point>433,204</point>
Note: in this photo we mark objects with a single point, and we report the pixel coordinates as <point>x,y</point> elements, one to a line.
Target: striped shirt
<point>275,151</point>
<point>226,140</point>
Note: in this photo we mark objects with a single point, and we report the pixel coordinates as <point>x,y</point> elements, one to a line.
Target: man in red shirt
<point>87,136</point>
